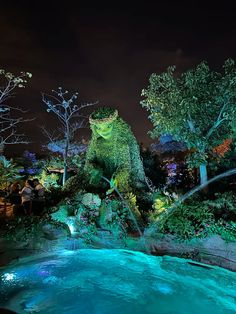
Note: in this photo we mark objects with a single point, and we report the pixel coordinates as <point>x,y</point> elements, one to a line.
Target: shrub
<point>197,218</point>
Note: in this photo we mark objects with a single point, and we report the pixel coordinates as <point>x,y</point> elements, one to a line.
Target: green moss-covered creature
<point>113,152</point>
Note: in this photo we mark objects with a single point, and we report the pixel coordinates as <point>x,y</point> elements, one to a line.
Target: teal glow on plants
<point>117,281</point>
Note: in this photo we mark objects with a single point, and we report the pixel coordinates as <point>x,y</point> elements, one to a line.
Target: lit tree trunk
<point>203,166</point>
<point>64,170</point>
<point>65,159</point>
<point>203,174</point>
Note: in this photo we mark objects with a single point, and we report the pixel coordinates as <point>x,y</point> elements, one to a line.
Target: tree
<point>9,115</point>
<point>76,152</point>
<point>70,118</point>
<point>56,145</point>
<point>198,108</point>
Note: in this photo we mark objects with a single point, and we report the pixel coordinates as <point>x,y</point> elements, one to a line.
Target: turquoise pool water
<point>115,282</point>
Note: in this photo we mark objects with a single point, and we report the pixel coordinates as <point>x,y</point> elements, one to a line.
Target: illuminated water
<point>116,282</point>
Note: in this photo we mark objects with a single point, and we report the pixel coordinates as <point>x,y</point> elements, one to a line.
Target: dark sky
<point>107,53</point>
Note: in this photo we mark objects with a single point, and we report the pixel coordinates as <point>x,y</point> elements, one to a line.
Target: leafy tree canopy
<point>197,107</point>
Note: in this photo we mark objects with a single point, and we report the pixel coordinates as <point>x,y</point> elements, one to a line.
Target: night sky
<point>108,54</point>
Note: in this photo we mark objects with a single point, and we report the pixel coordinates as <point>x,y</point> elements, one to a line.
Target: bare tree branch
<point>70,116</point>
<point>8,121</point>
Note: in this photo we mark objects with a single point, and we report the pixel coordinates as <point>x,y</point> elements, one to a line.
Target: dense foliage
<point>197,107</point>
<point>196,217</point>
<point>118,158</point>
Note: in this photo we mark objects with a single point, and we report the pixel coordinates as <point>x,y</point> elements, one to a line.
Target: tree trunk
<point>65,163</point>
<point>64,174</point>
<point>203,174</point>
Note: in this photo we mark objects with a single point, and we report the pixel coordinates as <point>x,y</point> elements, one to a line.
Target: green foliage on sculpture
<point>116,217</point>
<point>92,201</point>
<point>113,216</point>
<point>88,209</point>
<point>93,214</point>
<point>113,152</point>
<point>89,215</point>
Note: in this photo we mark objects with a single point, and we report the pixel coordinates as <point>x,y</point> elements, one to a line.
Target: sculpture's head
<point>102,121</point>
